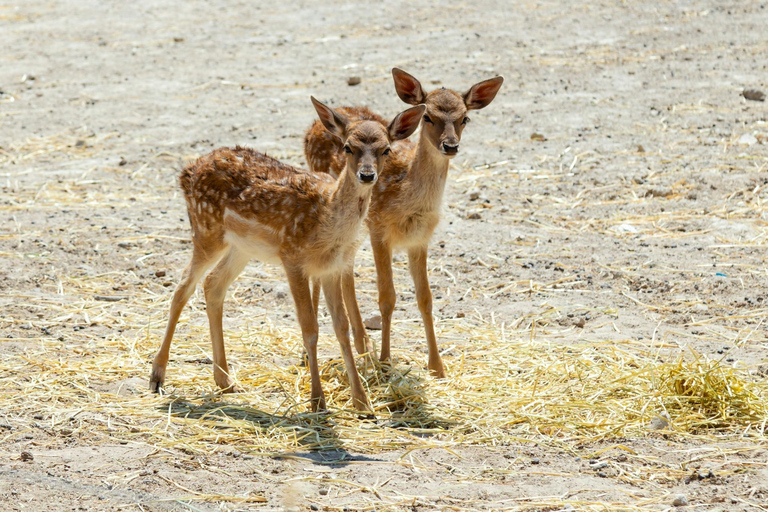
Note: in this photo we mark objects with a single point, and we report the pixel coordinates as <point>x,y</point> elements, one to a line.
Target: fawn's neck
<point>428,172</point>
<point>348,205</point>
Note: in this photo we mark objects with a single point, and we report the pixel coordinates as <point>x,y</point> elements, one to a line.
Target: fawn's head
<point>366,143</point>
<point>446,113</point>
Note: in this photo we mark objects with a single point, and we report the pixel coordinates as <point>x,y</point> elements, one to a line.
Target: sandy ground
<point>613,193</point>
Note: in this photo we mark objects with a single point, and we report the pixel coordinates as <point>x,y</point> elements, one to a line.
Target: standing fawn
<point>243,204</point>
<point>405,206</point>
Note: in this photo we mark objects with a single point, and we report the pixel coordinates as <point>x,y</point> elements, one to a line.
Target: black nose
<point>367,177</point>
<point>450,149</point>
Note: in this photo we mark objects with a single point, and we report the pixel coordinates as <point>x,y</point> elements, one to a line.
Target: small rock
<point>460,314</point>
<point>747,140</point>
<point>640,148</point>
<point>79,143</point>
<point>353,80</point>
<point>701,308</point>
<point>373,323</point>
<point>625,228</point>
<point>122,162</point>
<point>602,474</point>
<point>314,507</point>
<point>660,422</point>
<point>26,456</point>
<point>680,501</point>
<point>535,461</point>
<point>160,273</point>
<point>323,491</point>
<point>599,465</point>
<point>753,95</point>
<point>538,137</point>
<point>474,216</point>
<point>474,196</point>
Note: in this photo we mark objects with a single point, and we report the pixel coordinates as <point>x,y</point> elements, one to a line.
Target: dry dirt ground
<point>607,213</point>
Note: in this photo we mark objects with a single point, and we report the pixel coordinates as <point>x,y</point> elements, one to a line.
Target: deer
<point>243,204</point>
<point>406,201</point>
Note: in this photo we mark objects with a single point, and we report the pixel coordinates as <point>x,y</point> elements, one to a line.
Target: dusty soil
<point>614,192</point>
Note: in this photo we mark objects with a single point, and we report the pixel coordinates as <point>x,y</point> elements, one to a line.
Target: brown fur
<point>406,203</point>
<point>243,204</point>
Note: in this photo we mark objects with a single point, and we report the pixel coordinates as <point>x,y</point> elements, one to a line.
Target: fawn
<point>406,202</point>
<point>243,204</point>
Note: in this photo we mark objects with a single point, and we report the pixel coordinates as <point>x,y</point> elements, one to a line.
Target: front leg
<point>333,298</point>
<point>299,284</point>
<point>382,257</point>
<point>363,342</point>
<point>417,263</point>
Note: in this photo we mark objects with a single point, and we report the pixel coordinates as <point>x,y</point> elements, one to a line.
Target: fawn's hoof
<point>438,373</point>
<point>230,387</point>
<point>156,380</point>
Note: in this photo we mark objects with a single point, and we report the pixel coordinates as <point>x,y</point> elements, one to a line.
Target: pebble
<point>26,456</point>
<point>373,323</point>
<point>660,422</point>
<point>353,80</point>
<point>474,216</point>
<point>160,273</point>
<point>753,95</point>
<point>747,139</point>
<point>680,501</point>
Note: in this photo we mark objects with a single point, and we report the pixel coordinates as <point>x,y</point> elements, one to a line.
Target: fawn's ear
<point>408,88</point>
<point>481,94</point>
<point>332,120</point>
<point>405,123</point>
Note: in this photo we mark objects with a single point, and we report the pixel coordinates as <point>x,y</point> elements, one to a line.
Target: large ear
<point>332,120</point>
<point>408,88</point>
<point>405,123</point>
<point>481,95</point>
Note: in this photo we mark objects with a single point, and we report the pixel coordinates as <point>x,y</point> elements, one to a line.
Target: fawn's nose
<point>450,149</point>
<point>367,174</point>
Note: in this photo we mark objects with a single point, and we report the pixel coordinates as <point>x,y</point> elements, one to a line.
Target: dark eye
<point>385,152</point>
<point>427,119</point>
<point>348,150</point>
<point>465,120</point>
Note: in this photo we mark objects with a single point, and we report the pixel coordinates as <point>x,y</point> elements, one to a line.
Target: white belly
<point>254,247</point>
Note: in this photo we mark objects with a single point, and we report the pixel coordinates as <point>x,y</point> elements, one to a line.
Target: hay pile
<point>503,388</point>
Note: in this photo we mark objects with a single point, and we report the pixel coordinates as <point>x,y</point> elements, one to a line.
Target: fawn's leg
<point>316,295</point>
<point>299,284</point>
<point>192,273</point>
<point>335,302</point>
<point>315,308</point>
<point>363,342</point>
<point>215,287</point>
<point>382,257</point>
<point>417,263</point>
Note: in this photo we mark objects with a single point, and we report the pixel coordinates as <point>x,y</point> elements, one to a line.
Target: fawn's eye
<point>385,152</point>
<point>465,120</point>
<point>427,119</point>
<point>347,150</point>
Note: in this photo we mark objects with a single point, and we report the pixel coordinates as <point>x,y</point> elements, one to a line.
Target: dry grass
<point>509,384</point>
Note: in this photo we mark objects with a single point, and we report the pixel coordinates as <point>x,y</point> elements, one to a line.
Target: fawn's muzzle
<point>366,176</point>
<point>450,149</point>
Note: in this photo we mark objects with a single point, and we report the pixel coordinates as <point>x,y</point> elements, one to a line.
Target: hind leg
<point>215,287</point>
<point>201,261</point>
